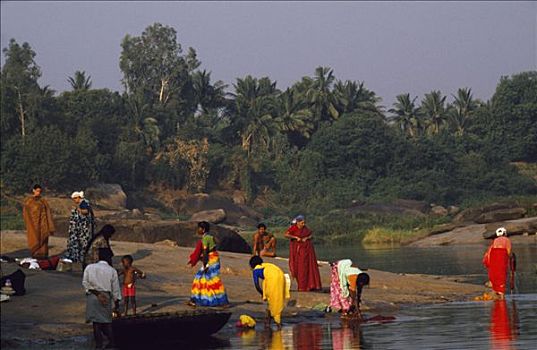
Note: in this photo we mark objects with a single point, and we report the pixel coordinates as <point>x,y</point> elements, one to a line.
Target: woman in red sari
<point>496,259</point>
<point>302,260</point>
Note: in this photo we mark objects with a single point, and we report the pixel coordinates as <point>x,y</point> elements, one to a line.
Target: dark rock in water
<point>182,232</point>
<point>107,196</point>
<point>501,215</point>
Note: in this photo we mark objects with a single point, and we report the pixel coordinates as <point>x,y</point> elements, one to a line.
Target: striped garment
<point>207,287</point>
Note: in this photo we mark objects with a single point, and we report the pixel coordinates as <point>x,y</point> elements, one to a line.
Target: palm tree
<point>145,129</point>
<point>321,97</point>
<point>406,115</point>
<point>253,112</point>
<point>434,110</point>
<point>80,81</point>
<point>353,96</point>
<point>293,115</point>
<point>462,110</point>
<point>207,95</point>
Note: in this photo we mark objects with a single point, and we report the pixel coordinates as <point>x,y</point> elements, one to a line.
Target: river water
<point>508,324</point>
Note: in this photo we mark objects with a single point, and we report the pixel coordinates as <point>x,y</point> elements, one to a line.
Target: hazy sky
<point>394,47</point>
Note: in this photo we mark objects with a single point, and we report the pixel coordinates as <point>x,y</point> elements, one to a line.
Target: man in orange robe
<point>39,224</point>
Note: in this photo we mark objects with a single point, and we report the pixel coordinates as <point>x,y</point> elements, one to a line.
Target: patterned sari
<point>207,287</point>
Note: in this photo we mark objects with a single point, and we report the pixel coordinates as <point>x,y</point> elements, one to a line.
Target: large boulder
<point>181,232</point>
<point>471,214</point>
<point>501,215</point>
<point>215,216</point>
<point>202,201</point>
<point>515,227</point>
<point>107,196</point>
<point>439,211</point>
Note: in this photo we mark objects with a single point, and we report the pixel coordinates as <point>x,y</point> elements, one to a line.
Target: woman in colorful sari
<point>496,259</point>
<point>81,227</point>
<point>207,287</point>
<point>273,288</point>
<point>39,224</point>
<point>346,287</point>
<point>302,260</point>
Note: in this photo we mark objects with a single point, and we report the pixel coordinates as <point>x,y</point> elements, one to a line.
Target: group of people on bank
<point>101,280</point>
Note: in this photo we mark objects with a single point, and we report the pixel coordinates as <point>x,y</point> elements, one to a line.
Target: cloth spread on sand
<point>39,225</point>
<point>274,288</point>
<point>303,261</point>
<point>344,271</point>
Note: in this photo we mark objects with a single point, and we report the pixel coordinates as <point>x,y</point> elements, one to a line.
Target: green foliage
<point>317,147</point>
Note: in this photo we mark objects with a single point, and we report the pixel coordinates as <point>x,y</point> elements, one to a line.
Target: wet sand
<point>53,308</point>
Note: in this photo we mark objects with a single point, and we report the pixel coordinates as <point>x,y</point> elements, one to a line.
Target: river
<point>508,324</point>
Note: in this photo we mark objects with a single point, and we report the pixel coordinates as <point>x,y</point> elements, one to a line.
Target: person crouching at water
<point>496,260</point>
<point>274,288</point>
<point>207,287</point>
<point>346,287</point>
<point>130,273</point>
<point>102,286</point>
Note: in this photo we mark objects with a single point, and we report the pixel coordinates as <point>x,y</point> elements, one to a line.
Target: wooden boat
<point>167,328</point>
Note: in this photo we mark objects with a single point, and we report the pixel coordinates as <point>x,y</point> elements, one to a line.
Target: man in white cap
<point>496,259</point>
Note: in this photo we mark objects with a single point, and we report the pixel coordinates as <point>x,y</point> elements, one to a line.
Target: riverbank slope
<point>54,306</point>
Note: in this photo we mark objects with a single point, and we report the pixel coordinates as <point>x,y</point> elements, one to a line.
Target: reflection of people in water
<point>307,336</point>
<point>347,337</point>
<point>503,326</point>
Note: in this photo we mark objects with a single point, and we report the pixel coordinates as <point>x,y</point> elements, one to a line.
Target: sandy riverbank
<point>54,306</point>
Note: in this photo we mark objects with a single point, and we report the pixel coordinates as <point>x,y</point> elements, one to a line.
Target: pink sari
<point>336,299</point>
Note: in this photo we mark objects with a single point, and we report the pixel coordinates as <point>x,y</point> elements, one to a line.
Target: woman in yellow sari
<point>274,288</point>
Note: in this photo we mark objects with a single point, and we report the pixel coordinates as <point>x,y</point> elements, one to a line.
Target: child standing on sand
<point>130,273</point>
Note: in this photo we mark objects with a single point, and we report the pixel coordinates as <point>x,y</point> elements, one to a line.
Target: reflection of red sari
<point>302,260</point>
<point>498,262</point>
<point>501,329</point>
<point>307,336</point>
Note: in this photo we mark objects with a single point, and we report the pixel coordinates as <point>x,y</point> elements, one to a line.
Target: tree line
<point>319,144</point>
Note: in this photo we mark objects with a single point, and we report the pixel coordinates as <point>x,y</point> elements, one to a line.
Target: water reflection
<point>503,325</point>
<point>349,336</point>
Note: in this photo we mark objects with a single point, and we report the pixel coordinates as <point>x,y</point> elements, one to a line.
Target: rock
<point>501,215</point>
<point>439,210</point>
<point>239,197</point>
<point>215,216</point>
<point>152,217</point>
<point>136,214</point>
<point>516,227</point>
<point>167,242</point>
<point>245,222</point>
<point>452,210</point>
<point>471,214</point>
<point>183,233</point>
<point>420,206</point>
<point>107,196</point>
<point>442,228</point>
<point>203,201</point>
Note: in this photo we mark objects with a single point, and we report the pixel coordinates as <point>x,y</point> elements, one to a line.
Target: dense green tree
<point>20,88</point>
<point>321,97</point>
